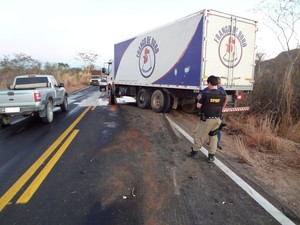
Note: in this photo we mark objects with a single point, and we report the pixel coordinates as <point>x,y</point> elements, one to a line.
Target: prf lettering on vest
<point>214,100</point>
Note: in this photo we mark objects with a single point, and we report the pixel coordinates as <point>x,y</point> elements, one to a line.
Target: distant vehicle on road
<point>32,95</point>
<point>103,84</point>
<point>95,80</point>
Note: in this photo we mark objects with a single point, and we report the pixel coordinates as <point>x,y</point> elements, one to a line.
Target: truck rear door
<point>230,50</point>
<point>16,98</point>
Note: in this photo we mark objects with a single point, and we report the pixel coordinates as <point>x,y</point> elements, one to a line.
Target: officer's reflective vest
<point>213,103</point>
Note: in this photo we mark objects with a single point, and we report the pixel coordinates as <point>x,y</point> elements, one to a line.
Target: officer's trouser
<point>202,132</point>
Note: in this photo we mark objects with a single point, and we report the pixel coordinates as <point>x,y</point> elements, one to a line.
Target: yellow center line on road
<point>13,190</point>
<point>29,192</point>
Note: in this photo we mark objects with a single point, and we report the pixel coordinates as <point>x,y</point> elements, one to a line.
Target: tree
<point>25,64</point>
<point>283,16</point>
<point>20,64</point>
<point>260,56</point>
<point>63,66</point>
<point>6,65</point>
<point>88,59</point>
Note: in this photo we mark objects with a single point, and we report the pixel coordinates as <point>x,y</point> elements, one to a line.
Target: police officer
<point>210,104</point>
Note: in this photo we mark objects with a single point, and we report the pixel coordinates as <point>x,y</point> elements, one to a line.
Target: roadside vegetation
<point>272,126</point>
<point>21,64</point>
<point>273,122</point>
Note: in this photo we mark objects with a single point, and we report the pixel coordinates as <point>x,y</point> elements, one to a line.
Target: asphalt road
<point>103,164</point>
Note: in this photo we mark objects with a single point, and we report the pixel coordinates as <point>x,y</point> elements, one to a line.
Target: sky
<point>55,31</point>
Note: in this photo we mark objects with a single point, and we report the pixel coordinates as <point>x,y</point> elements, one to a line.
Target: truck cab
<point>95,80</point>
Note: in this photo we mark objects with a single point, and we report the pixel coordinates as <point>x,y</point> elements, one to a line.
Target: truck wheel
<point>48,112</point>
<point>168,103</point>
<point>112,97</point>
<point>158,101</point>
<point>5,120</point>
<point>64,105</point>
<point>189,105</point>
<point>143,98</point>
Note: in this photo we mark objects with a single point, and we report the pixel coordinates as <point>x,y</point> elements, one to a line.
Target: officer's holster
<point>215,132</point>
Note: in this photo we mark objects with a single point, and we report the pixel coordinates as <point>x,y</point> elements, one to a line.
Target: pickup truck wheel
<point>64,105</point>
<point>49,112</point>
<point>5,120</point>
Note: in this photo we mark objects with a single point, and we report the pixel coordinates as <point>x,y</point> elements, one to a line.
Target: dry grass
<point>70,79</point>
<point>293,132</point>
<point>243,151</point>
<point>73,82</point>
<point>260,132</point>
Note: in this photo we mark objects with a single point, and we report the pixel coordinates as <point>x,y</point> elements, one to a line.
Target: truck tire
<point>5,120</point>
<point>112,97</point>
<point>168,103</point>
<point>189,106</point>
<point>143,98</point>
<point>48,118</point>
<point>158,101</point>
<point>64,105</point>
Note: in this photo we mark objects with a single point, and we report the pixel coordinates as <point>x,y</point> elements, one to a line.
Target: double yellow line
<point>28,193</point>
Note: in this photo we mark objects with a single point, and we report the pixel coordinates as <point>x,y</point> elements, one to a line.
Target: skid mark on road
<point>278,215</point>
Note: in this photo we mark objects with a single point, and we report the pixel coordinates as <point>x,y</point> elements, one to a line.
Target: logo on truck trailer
<point>231,43</point>
<point>146,54</point>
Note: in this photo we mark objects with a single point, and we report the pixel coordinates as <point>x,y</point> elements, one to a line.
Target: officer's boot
<point>211,158</point>
<point>194,154</point>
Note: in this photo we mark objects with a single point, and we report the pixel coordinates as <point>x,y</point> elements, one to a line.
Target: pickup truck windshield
<point>32,80</point>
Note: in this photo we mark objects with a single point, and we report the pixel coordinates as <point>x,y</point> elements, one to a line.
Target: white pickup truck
<point>32,95</point>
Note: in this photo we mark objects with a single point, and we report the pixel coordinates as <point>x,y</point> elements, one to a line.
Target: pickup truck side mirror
<point>10,87</point>
<point>61,85</point>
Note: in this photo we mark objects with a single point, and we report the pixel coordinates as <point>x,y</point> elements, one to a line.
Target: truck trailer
<point>165,68</point>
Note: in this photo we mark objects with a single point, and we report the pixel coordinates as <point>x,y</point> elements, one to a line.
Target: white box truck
<point>166,67</point>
